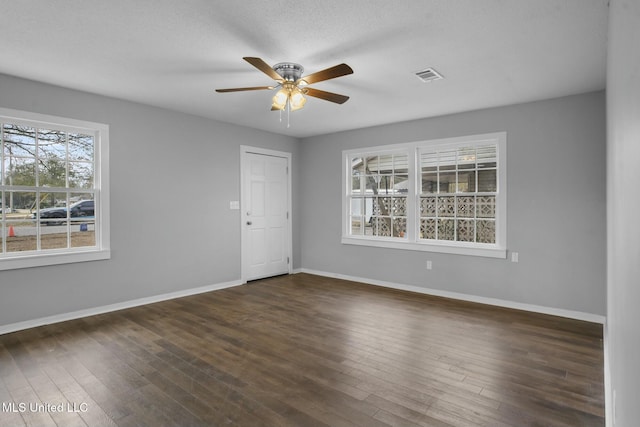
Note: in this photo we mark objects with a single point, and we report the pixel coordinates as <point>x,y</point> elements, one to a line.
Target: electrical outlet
<point>514,257</point>
<point>429,265</point>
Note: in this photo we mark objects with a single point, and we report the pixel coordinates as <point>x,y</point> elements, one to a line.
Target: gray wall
<point>623,178</point>
<point>556,207</point>
<point>172,177</point>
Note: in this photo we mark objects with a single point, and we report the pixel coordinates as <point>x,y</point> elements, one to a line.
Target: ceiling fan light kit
<point>292,86</point>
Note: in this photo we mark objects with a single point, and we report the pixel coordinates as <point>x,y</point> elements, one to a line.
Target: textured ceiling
<point>174,53</point>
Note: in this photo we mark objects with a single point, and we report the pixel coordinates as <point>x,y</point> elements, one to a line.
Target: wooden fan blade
<point>240,89</point>
<point>327,96</point>
<point>264,67</point>
<point>329,73</point>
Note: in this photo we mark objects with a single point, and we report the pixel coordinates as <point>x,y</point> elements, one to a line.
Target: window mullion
<point>412,214</point>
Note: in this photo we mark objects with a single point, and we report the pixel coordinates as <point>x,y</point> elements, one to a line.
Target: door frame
<point>245,150</point>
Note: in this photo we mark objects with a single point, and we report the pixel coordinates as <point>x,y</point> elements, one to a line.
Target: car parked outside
<point>82,208</point>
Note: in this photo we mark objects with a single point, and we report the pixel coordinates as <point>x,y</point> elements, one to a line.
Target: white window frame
<point>411,240</point>
<point>101,250</point>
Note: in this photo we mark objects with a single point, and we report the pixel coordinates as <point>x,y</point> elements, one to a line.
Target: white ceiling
<point>174,53</point>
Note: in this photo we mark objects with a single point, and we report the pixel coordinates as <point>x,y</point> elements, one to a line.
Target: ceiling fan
<point>292,86</point>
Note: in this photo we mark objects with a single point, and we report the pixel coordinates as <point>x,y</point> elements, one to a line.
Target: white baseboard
<point>5,329</point>
<point>13,327</point>
<point>577,315</point>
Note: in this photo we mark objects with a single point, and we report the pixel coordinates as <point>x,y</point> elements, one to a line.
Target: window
<point>446,195</point>
<point>379,195</point>
<point>53,184</point>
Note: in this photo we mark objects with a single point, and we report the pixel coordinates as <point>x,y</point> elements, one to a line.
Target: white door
<point>266,241</point>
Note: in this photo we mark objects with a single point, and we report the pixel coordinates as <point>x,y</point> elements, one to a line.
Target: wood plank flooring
<point>305,350</point>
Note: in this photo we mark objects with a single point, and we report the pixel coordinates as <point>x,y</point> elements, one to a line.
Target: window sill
<point>489,252</point>
<point>39,260</point>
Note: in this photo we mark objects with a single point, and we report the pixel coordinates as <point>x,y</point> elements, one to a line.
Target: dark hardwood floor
<point>304,350</point>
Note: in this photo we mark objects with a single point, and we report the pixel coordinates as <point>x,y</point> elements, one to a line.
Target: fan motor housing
<point>289,71</point>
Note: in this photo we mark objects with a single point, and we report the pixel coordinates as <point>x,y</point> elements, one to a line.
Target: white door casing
<point>265,213</point>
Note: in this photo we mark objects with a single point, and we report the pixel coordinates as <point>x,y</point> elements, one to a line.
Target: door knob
<point>249,223</point>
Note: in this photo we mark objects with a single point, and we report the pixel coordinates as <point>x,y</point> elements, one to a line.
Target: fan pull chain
<point>288,112</point>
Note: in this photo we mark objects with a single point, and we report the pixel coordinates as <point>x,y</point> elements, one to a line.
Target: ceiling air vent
<point>429,75</point>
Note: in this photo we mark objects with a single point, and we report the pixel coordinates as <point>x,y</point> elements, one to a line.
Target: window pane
<point>53,208</point>
<point>466,206</point>
<point>385,185</point>
<point>486,231</point>
<point>52,172</point>
<point>369,203</point>
<point>467,181</point>
<point>399,206</point>
<point>487,156</point>
<point>429,162</point>
<point>356,226</point>
<point>356,206</point>
<point>54,235</point>
<point>446,206</point>
<point>21,232</point>
<point>82,220</point>
<point>383,206</point>
<point>357,172</point>
<point>428,206</point>
<point>21,235</point>
<point>385,164</point>
<point>487,180</point>
<point>486,207</point>
<point>382,227</point>
<point>371,165</point>
<point>53,223</point>
<point>429,183</point>
<point>447,182</point>
<point>52,144</point>
<point>21,202</point>
<point>81,175</point>
<point>466,158</point>
<point>447,160</point>
<point>371,184</point>
<point>465,231</point>
<point>19,141</point>
<point>399,227</point>
<point>52,158</point>
<point>428,228</point>
<point>446,229</point>
<point>355,185</point>
<point>83,234</point>
<point>20,171</point>
<point>82,206</point>
<point>81,147</point>
<point>401,164</point>
<point>400,184</point>
<point>368,226</point>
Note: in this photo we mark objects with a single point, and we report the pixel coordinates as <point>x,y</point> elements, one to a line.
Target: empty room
<point>355,213</point>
